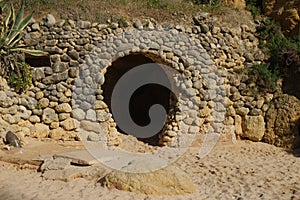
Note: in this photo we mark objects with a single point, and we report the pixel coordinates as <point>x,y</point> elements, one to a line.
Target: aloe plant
<point>11,29</point>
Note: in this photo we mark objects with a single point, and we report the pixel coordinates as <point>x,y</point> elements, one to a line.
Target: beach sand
<point>239,170</point>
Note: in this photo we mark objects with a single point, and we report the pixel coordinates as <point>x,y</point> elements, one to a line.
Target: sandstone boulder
<point>49,20</point>
<point>167,181</point>
<point>253,128</point>
<point>49,116</point>
<point>57,134</point>
<point>3,84</point>
<point>68,124</point>
<point>283,122</point>
<point>63,108</point>
<point>236,3</point>
<point>287,12</point>
<point>40,130</point>
<point>78,114</point>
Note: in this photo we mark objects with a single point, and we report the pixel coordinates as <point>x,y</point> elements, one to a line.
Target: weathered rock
<point>63,116</point>
<point>78,114</point>
<point>242,111</point>
<point>31,103</point>
<point>199,19</point>
<point>12,110</point>
<point>138,24</point>
<point>54,125</point>
<point>253,128</point>
<point>57,134</point>
<point>3,86</point>
<point>55,164</point>
<point>49,116</point>
<point>34,119</point>
<point>49,20</point>
<point>171,181</point>
<point>3,97</point>
<point>205,112</point>
<point>90,126</point>
<point>55,78</point>
<point>25,114</point>
<point>40,130</point>
<point>204,28</point>
<point>59,67</point>
<point>68,124</point>
<point>84,24</point>
<point>73,54</point>
<point>103,116</point>
<point>44,102</point>
<point>39,95</point>
<point>63,108</point>
<point>35,27</point>
<point>91,115</point>
<point>283,122</point>
<point>59,167</point>
<point>238,125</point>
<point>236,3</point>
<point>12,119</point>
<point>287,12</point>
<point>100,105</point>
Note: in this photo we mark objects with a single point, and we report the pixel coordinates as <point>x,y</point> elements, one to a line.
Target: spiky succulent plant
<point>11,32</point>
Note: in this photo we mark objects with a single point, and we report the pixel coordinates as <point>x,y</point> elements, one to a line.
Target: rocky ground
<point>240,170</point>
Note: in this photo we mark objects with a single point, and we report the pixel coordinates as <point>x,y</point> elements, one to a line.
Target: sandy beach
<point>239,170</point>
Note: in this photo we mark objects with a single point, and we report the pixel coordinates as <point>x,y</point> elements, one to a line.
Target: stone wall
<point>68,94</point>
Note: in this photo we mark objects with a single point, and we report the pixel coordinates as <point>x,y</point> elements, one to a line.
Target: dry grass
<point>163,11</point>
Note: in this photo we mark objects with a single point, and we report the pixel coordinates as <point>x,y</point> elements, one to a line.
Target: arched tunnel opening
<point>143,98</point>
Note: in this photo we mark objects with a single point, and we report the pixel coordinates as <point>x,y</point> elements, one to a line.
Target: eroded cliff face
<point>287,12</point>
<point>236,3</point>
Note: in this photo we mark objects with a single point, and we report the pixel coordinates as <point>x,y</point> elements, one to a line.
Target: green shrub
<point>283,54</point>
<point>254,6</point>
<point>21,79</point>
<point>212,6</point>
<point>11,53</point>
<point>203,1</point>
<point>264,79</point>
<point>152,3</point>
<point>122,22</point>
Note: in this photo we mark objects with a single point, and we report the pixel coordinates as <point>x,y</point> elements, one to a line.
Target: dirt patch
<point>162,11</point>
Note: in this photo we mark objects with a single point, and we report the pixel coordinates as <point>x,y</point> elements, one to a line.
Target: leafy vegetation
<point>264,79</point>
<point>254,6</point>
<point>204,1</point>
<point>22,80</point>
<point>122,22</point>
<point>209,5</point>
<point>153,3</point>
<point>283,55</point>
<point>12,63</point>
<point>282,50</point>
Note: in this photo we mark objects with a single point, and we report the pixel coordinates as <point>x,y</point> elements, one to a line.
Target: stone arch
<point>183,53</point>
<point>144,97</point>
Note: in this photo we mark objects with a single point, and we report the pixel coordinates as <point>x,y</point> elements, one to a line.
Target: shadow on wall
<point>296,151</point>
<point>38,61</point>
<point>291,82</point>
